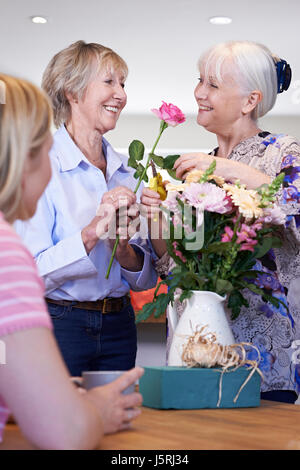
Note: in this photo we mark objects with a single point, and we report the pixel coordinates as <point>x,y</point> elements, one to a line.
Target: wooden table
<point>273,425</point>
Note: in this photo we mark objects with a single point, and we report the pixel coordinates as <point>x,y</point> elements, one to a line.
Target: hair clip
<point>284,75</point>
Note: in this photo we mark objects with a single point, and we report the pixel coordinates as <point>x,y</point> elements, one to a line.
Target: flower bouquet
<point>215,233</point>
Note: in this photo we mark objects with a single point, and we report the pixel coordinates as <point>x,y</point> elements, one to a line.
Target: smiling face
<point>221,104</point>
<point>103,100</point>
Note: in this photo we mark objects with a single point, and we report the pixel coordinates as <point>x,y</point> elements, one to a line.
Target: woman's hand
<point>49,410</point>
<point>230,170</point>
<point>150,201</point>
<point>127,224</point>
<point>192,161</point>
<point>115,409</point>
<point>106,219</point>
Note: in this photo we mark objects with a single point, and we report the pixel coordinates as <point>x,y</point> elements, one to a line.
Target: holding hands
<point>109,220</point>
<point>184,164</point>
<point>150,203</point>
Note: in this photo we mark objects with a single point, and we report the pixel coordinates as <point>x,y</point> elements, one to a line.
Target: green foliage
<point>166,163</point>
<point>210,170</point>
<point>268,192</point>
<point>159,161</point>
<point>169,161</point>
<point>139,172</point>
<point>235,302</point>
<point>136,151</point>
<point>265,245</point>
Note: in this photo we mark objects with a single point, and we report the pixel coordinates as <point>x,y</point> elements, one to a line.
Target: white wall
<point>151,344</point>
<point>186,136</point>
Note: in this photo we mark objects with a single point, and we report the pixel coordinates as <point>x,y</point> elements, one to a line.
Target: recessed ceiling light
<point>220,20</point>
<point>39,19</point>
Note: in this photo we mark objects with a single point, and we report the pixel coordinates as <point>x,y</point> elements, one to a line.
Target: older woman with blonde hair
<point>94,321</point>
<point>34,383</point>
<point>239,82</point>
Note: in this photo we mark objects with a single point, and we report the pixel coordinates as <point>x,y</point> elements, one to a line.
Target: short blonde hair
<point>70,71</point>
<point>25,122</point>
<point>254,68</point>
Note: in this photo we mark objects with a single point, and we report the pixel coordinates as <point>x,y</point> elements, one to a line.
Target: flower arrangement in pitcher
<point>215,233</point>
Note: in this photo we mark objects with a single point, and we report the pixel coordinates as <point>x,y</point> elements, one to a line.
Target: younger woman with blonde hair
<point>34,382</point>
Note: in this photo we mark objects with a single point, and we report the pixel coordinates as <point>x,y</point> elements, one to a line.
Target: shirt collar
<point>70,156</point>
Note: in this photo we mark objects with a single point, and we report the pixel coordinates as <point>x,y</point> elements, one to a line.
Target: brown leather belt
<point>107,305</point>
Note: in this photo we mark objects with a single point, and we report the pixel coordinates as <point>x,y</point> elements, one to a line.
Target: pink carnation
<point>170,114</point>
<point>208,196</point>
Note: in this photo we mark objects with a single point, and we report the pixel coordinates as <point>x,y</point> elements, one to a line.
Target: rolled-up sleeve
<point>147,277</point>
<point>64,262</point>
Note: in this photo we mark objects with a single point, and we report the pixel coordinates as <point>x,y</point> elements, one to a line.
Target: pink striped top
<point>22,304</point>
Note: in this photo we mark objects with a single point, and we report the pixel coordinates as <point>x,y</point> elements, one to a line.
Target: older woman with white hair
<point>239,82</point>
<point>93,319</point>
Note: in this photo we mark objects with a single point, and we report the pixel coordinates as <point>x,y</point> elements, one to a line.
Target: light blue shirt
<point>68,204</point>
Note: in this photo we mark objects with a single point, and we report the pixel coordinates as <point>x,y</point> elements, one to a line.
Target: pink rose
<point>170,114</point>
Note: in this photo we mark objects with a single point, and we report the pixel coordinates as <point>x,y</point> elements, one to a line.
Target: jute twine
<point>202,350</point>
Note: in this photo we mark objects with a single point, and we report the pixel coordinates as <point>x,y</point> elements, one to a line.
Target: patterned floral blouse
<point>271,329</point>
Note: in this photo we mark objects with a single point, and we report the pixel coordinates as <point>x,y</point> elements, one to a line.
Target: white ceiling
<point>160,40</point>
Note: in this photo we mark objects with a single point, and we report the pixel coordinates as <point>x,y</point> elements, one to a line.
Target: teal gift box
<point>184,388</point>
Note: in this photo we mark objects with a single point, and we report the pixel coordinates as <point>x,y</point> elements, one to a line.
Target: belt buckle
<point>104,305</point>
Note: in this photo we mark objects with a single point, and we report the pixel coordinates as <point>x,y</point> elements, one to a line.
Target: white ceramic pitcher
<point>202,308</point>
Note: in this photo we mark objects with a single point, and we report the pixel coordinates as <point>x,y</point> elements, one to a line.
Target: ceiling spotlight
<point>220,20</point>
<point>39,19</point>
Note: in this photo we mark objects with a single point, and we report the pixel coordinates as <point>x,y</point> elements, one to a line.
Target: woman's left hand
<point>192,161</point>
<point>127,224</point>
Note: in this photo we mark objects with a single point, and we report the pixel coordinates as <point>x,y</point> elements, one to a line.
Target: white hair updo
<point>255,69</point>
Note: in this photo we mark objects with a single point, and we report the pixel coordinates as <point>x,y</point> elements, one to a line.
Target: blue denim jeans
<point>90,340</point>
<point>284,396</point>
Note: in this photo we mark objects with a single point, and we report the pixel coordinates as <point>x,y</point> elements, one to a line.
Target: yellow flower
<point>156,184</point>
<point>247,200</point>
<point>195,175</point>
